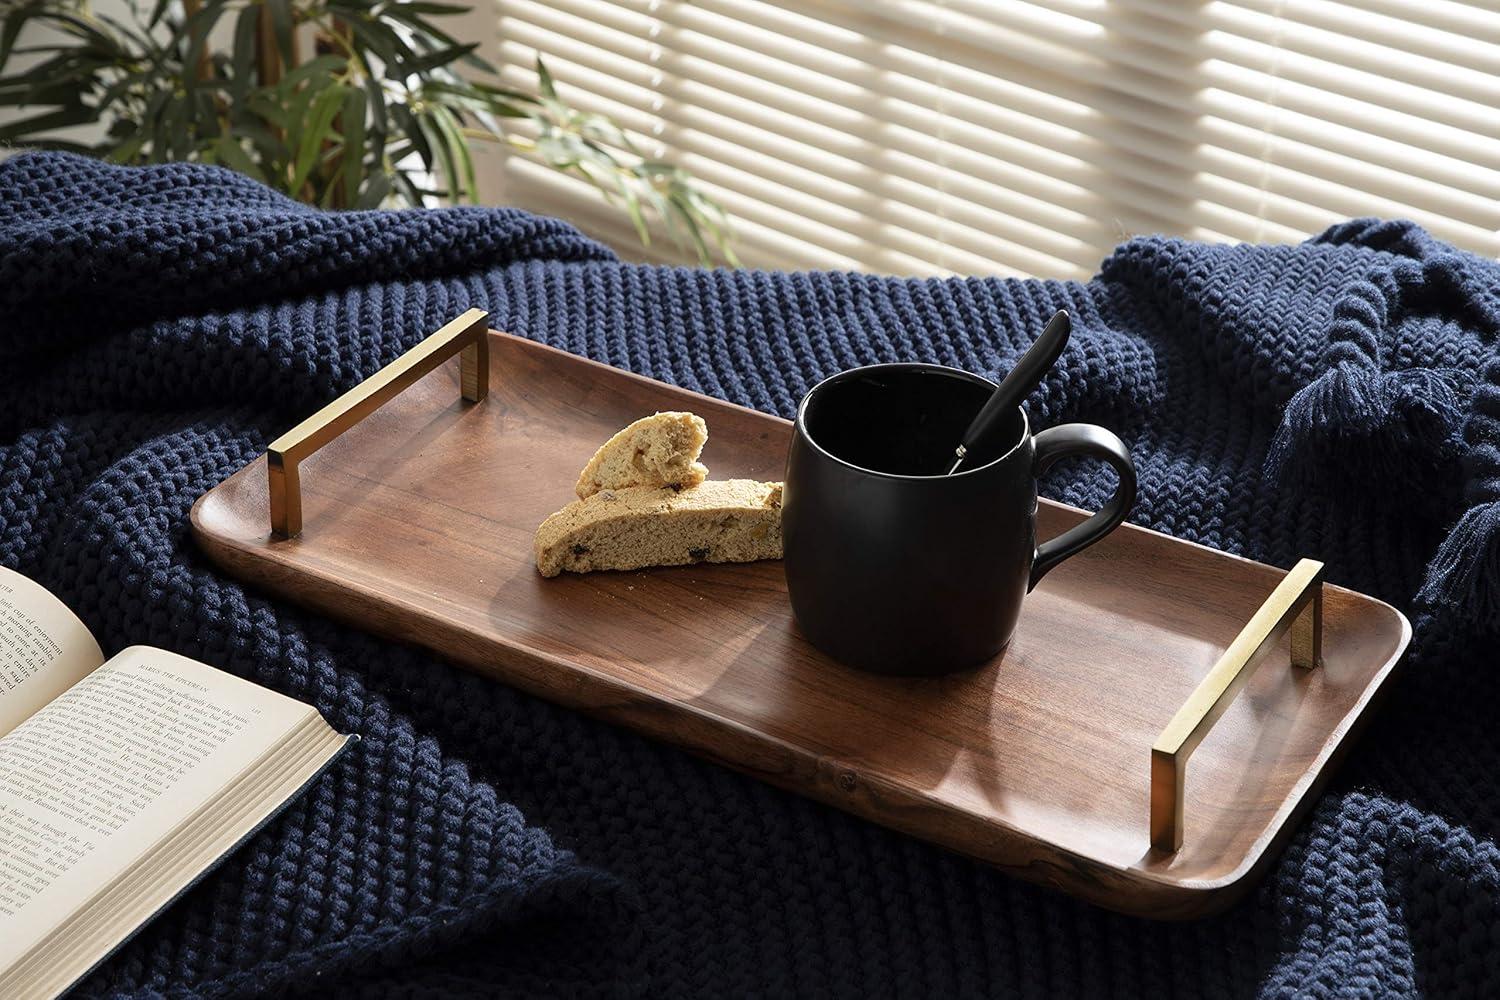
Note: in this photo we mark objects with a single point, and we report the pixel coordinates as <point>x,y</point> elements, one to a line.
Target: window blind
<point>983,137</point>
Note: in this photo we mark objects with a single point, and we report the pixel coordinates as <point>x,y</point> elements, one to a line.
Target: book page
<point>97,778</point>
<point>44,648</point>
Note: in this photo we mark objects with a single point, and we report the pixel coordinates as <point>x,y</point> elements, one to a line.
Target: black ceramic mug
<point>895,567</point>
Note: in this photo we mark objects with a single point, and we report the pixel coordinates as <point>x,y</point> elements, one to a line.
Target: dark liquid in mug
<point>904,426</point>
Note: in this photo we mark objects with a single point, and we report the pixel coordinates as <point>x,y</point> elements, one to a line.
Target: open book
<point>121,782</point>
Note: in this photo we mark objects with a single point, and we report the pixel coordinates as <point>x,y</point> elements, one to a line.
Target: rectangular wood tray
<point>417,524</point>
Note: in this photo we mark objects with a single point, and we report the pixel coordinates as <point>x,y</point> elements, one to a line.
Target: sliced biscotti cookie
<point>659,450</point>
<point>731,520</point>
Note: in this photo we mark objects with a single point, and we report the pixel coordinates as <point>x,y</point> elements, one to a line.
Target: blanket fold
<point>159,325</point>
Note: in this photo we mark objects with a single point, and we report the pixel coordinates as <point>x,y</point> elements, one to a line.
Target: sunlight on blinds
<point>981,137</point>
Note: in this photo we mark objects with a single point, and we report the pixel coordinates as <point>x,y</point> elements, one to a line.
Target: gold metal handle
<point>467,336</point>
<point>1297,602</point>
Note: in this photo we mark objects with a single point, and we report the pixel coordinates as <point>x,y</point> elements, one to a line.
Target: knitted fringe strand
<point>1465,574</point>
<point>1391,413</point>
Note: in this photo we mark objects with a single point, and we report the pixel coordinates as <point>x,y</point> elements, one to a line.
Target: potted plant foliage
<point>338,103</point>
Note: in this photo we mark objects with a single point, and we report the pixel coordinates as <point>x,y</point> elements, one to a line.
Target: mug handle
<point>1082,439</point>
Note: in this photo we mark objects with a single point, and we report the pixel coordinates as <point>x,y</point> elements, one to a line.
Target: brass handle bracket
<point>1296,603</point>
<point>467,336</point>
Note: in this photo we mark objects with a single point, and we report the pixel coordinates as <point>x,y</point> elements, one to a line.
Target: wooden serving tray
<point>417,524</point>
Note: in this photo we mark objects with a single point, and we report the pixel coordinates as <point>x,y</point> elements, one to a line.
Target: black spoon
<point>1035,363</point>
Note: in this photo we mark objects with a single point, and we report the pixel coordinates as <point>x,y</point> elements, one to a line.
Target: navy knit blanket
<point>1338,400</point>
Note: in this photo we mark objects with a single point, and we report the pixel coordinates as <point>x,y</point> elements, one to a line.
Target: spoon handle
<point>1016,386</point>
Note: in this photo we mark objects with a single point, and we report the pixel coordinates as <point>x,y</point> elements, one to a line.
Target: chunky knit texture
<point>159,325</point>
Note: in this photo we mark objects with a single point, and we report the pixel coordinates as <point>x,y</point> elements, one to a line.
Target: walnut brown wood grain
<point>418,526</point>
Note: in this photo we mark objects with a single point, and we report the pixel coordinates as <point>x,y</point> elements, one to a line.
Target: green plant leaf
<point>242,62</point>
<point>424,7</point>
<point>414,134</point>
<point>281,27</point>
<point>458,150</point>
<point>352,123</point>
<point>126,151</point>
<point>386,43</point>
<point>141,38</point>
<point>197,29</point>
<point>327,66</point>
<point>101,41</point>
<point>318,130</point>
<point>442,155</point>
<point>408,189</point>
<point>544,80</point>
<point>41,93</point>
<point>232,154</point>
<point>272,151</point>
<point>157,11</point>
<point>61,118</point>
<point>440,57</point>
<point>637,217</point>
<point>375,191</point>
<point>176,137</point>
<point>10,30</point>
<point>429,36</point>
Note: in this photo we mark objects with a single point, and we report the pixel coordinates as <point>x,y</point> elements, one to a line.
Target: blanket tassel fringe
<point>1392,412</point>
<point>1465,573</point>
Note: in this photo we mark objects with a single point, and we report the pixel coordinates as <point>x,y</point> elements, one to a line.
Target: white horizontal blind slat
<point>1239,168</point>
<point>930,136</point>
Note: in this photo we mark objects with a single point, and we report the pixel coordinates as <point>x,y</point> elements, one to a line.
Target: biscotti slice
<point>659,450</point>
<point>730,520</point>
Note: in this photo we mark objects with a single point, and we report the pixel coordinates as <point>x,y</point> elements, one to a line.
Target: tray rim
<point>1179,898</point>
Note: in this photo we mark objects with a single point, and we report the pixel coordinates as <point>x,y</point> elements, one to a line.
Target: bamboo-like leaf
<point>79,28</point>
<point>504,93</point>
<point>440,57</point>
<point>396,152</point>
<point>375,191</point>
<point>319,128</point>
<point>322,66</point>
<point>130,32</point>
<point>425,7</point>
<point>41,93</point>
<point>61,118</point>
<point>544,80</point>
<point>429,36</point>
<point>151,123</point>
<point>273,152</point>
<point>441,153</point>
<point>408,188</point>
<point>352,124</point>
<point>157,11</point>
<point>637,217</point>
<point>414,134</point>
<point>459,151</point>
<point>206,126</point>
<point>281,27</point>
<point>119,89</point>
<point>373,37</point>
<point>175,122</point>
<point>10,30</point>
<point>197,29</point>
<point>127,149</point>
<point>266,107</point>
<point>460,96</point>
<point>232,154</point>
<point>242,63</point>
